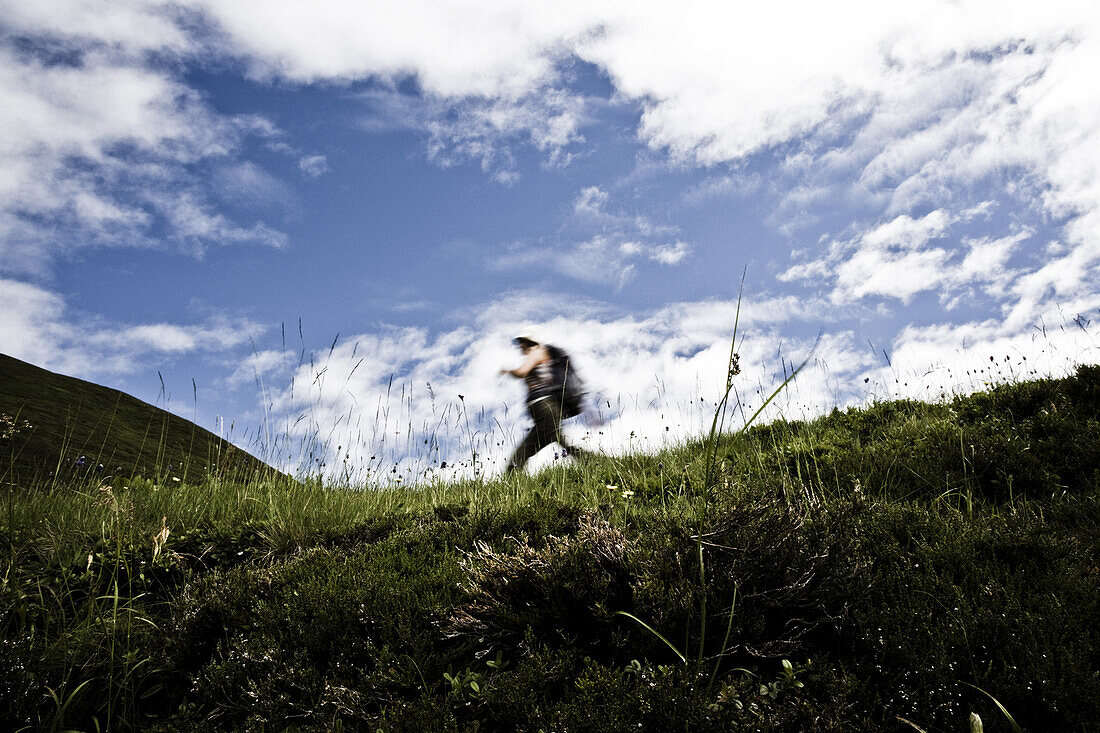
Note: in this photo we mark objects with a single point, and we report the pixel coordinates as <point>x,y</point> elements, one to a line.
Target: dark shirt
<point>540,380</point>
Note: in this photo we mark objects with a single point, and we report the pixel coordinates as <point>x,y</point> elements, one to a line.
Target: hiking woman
<point>550,398</point>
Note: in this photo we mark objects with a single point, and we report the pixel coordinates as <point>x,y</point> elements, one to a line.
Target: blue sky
<point>275,208</point>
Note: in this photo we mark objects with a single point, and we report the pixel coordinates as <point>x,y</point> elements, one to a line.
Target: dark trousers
<point>547,429</point>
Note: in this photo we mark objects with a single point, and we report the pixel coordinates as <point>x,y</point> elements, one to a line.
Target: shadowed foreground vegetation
<point>904,562</point>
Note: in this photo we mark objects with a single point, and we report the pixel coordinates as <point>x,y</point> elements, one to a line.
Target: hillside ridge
<point>58,427</point>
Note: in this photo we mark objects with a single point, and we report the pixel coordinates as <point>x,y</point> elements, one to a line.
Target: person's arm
<point>538,355</point>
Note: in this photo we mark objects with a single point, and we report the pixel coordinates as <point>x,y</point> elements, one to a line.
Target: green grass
<point>905,561</point>
<point>58,419</point>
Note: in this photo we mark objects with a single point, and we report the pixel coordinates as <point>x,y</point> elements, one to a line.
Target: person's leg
<point>572,449</point>
<point>538,437</point>
<point>526,448</point>
<point>553,420</point>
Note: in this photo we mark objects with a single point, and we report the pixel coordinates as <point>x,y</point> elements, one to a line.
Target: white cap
<point>528,333</point>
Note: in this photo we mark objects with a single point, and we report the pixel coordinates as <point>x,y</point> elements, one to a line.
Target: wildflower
<point>161,538</point>
<point>611,487</point>
<point>106,497</point>
<point>627,493</point>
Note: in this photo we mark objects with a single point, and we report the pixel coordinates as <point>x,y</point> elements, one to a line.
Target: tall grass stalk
<point>701,499</point>
<point>711,447</point>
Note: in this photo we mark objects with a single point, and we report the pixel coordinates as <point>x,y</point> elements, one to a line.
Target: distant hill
<point>48,422</point>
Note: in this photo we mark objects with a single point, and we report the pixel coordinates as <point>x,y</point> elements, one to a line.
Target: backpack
<point>568,386</point>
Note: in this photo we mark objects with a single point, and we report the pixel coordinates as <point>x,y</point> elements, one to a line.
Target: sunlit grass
<point>100,571</point>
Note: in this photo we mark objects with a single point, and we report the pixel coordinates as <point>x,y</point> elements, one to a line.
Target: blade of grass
<point>1012,721</point>
<point>656,633</point>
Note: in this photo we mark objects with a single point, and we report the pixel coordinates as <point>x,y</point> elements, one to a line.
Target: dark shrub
<point>562,588</point>
<point>1007,603</point>
<point>782,565</point>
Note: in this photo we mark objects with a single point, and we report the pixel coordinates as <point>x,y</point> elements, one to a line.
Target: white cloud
<point>599,243</point>
<point>597,260</point>
<point>714,189</point>
<point>100,144</point>
<point>988,261</point>
<point>591,202</point>
<point>1018,120</point>
<point>897,259</point>
<point>132,26</point>
<point>935,362</point>
<point>261,367</point>
<point>247,184</point>
<point>456,48</point>
<point>40,329</point>
<point>313,166</point>
<point>482,130</point>
<point>893,260</point>
<point>671,254</point>
<point>601,259</point>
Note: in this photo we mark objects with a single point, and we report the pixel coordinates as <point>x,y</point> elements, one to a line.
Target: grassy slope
<point>70,418</point>
<point>895,555</point>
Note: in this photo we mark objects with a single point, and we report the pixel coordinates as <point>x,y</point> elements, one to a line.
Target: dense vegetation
<point>905,562</point>
<point>74,430</point>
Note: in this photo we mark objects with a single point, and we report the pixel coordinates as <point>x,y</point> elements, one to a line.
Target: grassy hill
<point>50,421</point>
<point>894,568</point>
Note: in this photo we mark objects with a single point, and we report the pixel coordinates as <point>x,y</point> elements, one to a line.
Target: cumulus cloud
<point>598,243</point>
<point>482,130</point>
<point>906,256</point>
<point>905,106</point>
<point>597,260</point>
<point>313,166</point>
<point>940,361</point>
<point>132,26</point>
<point>454,48</point>
<point>671,254</point>
<point>601,259</point>
<point>722,187</point>
<point>904,102</point>
<point>261,367</point>
<point>38,327</point>
<point>100,144</point>
<point>999,108</point>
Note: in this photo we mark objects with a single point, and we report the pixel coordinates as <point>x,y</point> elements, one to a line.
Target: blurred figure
<point>554,393</point>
